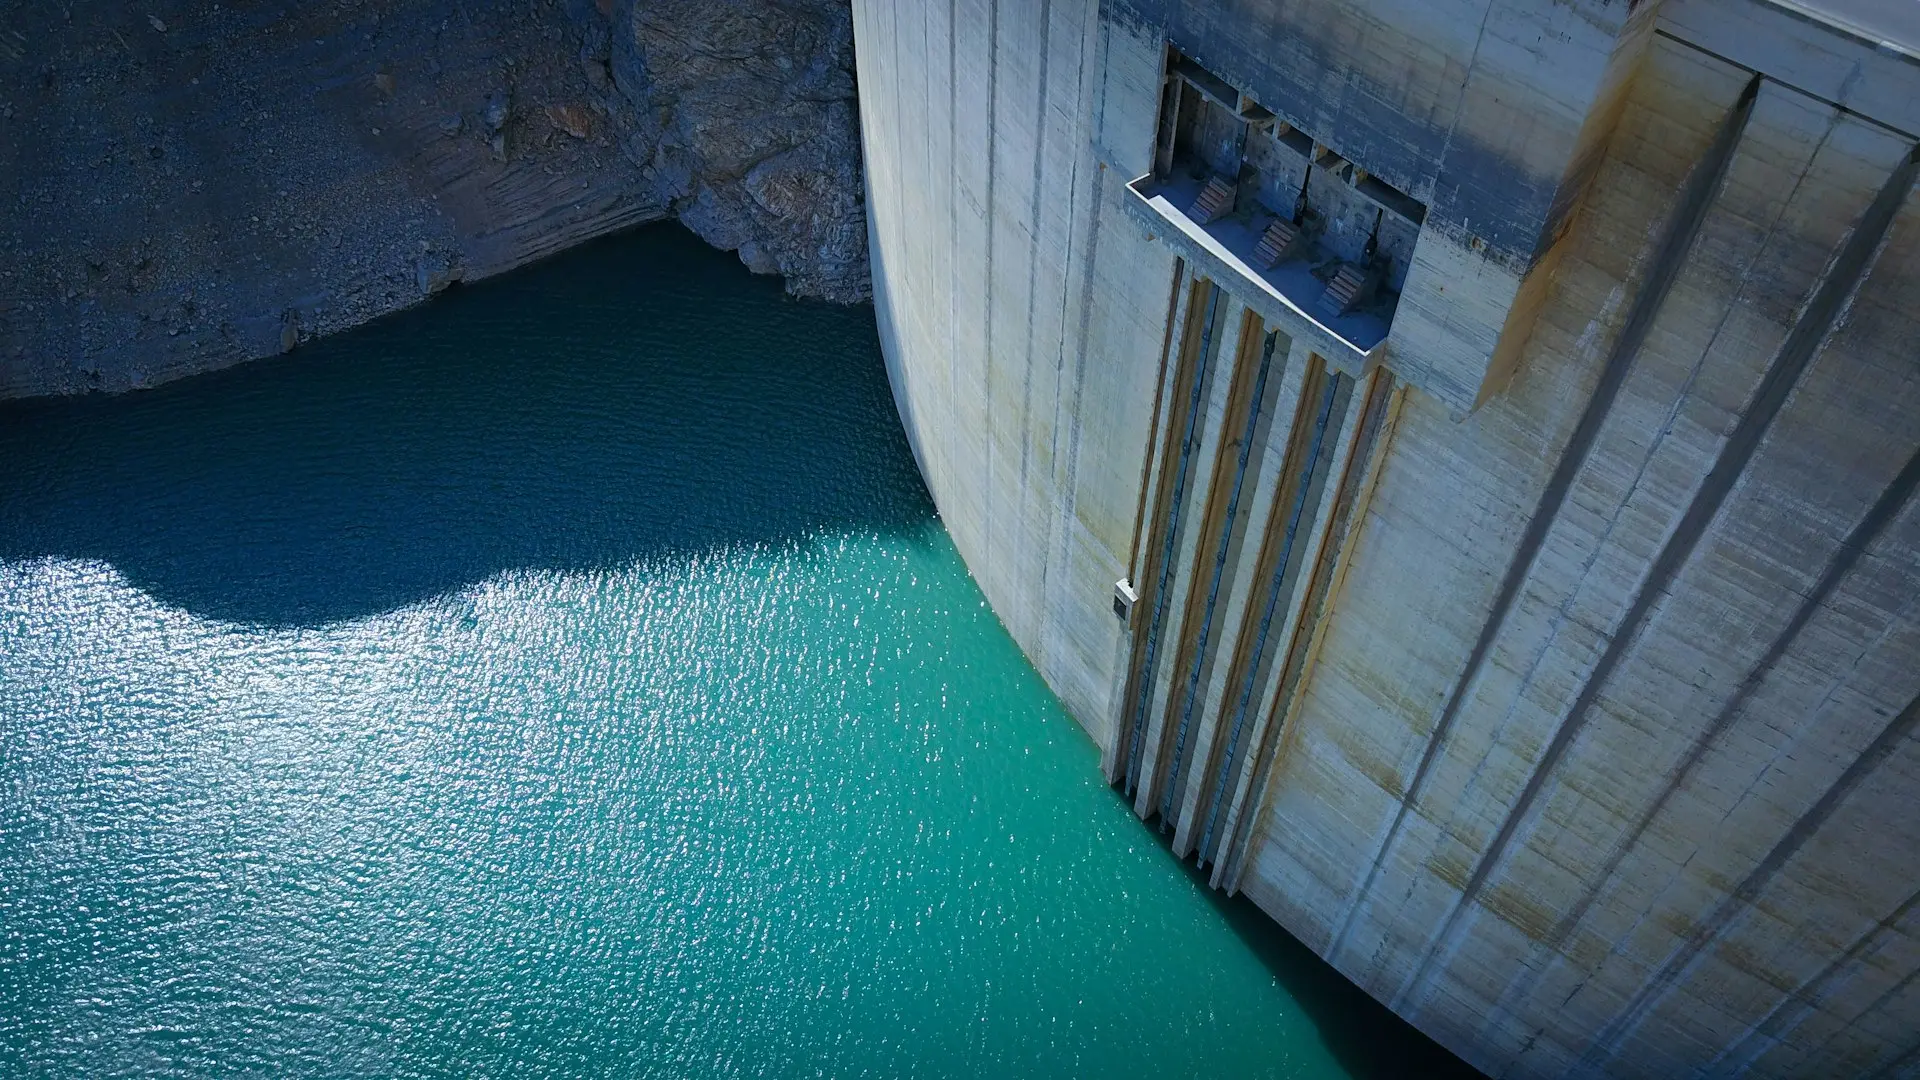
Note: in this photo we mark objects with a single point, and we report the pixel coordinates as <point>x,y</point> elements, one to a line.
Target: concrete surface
<point>1554,668</point>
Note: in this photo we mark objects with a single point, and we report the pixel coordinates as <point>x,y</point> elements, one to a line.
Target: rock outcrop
<point>742,115</point>
<point>187,184</point>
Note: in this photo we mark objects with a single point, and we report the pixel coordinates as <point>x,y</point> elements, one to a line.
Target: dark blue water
<point>569,678</point>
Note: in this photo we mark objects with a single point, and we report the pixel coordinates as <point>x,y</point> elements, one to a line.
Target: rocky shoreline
<point>188,185</point>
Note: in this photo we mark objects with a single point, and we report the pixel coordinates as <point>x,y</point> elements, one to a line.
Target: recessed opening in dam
<point>570,677</point>
<point>1277,208</point>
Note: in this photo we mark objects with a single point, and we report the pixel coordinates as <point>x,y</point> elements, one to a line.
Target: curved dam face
<point>1458,461</point>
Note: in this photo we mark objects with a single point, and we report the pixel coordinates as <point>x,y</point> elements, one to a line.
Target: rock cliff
<point>188,184</point>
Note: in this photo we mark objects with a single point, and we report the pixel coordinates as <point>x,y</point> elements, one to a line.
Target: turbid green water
<point>570,679</point>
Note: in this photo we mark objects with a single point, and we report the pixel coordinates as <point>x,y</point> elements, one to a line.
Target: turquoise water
<point>570,678</point>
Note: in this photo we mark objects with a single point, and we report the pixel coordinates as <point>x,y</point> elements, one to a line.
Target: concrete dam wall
<point>1458,461</point>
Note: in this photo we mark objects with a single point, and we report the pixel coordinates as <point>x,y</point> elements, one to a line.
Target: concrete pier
<point>1551,664</point>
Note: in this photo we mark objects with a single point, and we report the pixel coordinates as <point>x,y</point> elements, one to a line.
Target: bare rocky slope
<point>187,184</point>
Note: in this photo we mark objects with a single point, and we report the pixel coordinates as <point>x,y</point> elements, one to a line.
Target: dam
<point>1457,461</point>
<point>1449,465</point>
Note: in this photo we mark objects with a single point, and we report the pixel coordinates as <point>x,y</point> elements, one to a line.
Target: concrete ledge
<point>1363,339</point>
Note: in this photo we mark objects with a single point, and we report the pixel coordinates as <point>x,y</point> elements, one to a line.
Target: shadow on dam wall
<point>643,397</point>
<point>1367,1038</point>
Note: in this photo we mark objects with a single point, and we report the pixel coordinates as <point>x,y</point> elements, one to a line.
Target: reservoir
<point>571,677</point>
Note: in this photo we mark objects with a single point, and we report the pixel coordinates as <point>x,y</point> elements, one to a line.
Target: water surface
<point>570,678</point>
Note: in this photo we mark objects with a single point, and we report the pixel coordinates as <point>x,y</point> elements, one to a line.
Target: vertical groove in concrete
<point>987,278</point>
<point>1157,489</point>
<point>1734,903</point>
<point>1163,596</point>
<point>1159,396</point>
<point>1083,205</point>
<point>1796,352</point>
<point>952,180</point>
<point>1677,240</point>
<point>1088,254</point>
<point>1308,440</point>
<point>1367,426</point>
<point>1175,786</point>
<point>1044,51</point>
<point>1232,352</point>
<point>1317,481</point>
<point>1226,361</point>
<point>1378,392</point>
<point>1862,537</point>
